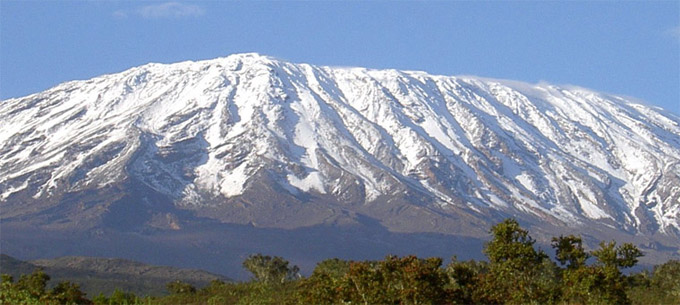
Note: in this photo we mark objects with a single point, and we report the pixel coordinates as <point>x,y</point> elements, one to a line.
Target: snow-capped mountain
<point>254,140</point>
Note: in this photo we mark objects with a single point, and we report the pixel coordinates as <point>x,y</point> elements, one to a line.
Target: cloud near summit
<point>164,10</point>
<point>674,32</point>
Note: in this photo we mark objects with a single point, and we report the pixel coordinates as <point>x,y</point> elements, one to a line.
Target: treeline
<point>515,273</point>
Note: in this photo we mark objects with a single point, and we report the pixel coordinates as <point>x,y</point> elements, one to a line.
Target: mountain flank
<point>199,164</point>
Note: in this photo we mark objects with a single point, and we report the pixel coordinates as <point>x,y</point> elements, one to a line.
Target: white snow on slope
<point>204,128</point>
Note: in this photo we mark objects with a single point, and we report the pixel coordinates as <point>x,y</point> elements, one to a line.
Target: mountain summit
<point>251,140</point>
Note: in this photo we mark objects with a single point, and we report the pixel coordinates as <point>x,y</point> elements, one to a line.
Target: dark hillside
<point>103,275</point>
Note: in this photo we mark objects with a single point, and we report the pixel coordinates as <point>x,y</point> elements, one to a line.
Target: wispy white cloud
<point>170,10</point>
<point>120,14</point>
<point>674,32</point>
<point>163,11</point>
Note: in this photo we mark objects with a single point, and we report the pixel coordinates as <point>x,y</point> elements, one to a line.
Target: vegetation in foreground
<point>516,273</point>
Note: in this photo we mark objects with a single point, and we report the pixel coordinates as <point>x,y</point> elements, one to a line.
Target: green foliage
<point>9,294</point>
<point>68,293</point>
<point>100,299</point>
<point>252,292</point>
<point>31,289</point>
<point>627,255</point>
<point>322,287</point>
<point>613,258</point>
<point>518,274</point>
<point>270,270</point>
<point>415,281</point>
<point>333,268</point>
<point>33,283</point>
<point>569,251</point>
<point>120,297</point>
<point>512,246</point>
<point>394,280</point>
<point>464,278</point>
<point>661,286</point>
<point>179,287</point>
<point>363,284</point>
<point>274,294</point>
<point>601,283</point>
<point>667,278</point>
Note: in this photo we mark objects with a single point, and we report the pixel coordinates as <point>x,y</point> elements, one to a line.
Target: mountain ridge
<point>252,140</point>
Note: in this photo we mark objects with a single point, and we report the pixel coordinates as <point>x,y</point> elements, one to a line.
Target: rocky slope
<point>255,141</point>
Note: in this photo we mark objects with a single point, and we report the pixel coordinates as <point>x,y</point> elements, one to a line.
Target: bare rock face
<point>248,140</point>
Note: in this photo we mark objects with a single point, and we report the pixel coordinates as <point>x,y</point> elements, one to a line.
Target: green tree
<point>415,281</point>
<point>518,274</point>
<point>569,251</point>
<point>34,283</point>
<point>10,295</point>
<point>68,293</point>
<point>363,284</point>
<point>610,260</point>
<point>322,287</point>
<point>464,280</point>
<point>270,270</point>
<point>100,299</point>
<point>394,280</point>
<point>601,283</point>
<point>121,297</point>
<point>578,280</point>
<point>31,289</point>
<point>6,279</point>
<point>666,277</point>
<point>661,286</point>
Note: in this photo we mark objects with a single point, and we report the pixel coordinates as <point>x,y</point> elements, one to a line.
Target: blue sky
<point>627,48</point>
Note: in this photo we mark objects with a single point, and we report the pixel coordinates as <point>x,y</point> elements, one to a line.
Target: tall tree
<point>601,283</point>
<point>569,251</point>
<point>323,286</point>
<point>270,270</point>
<point>464,280</point>
<point>518,274</point>
<point>34,283</point>
<point>68,293</point>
